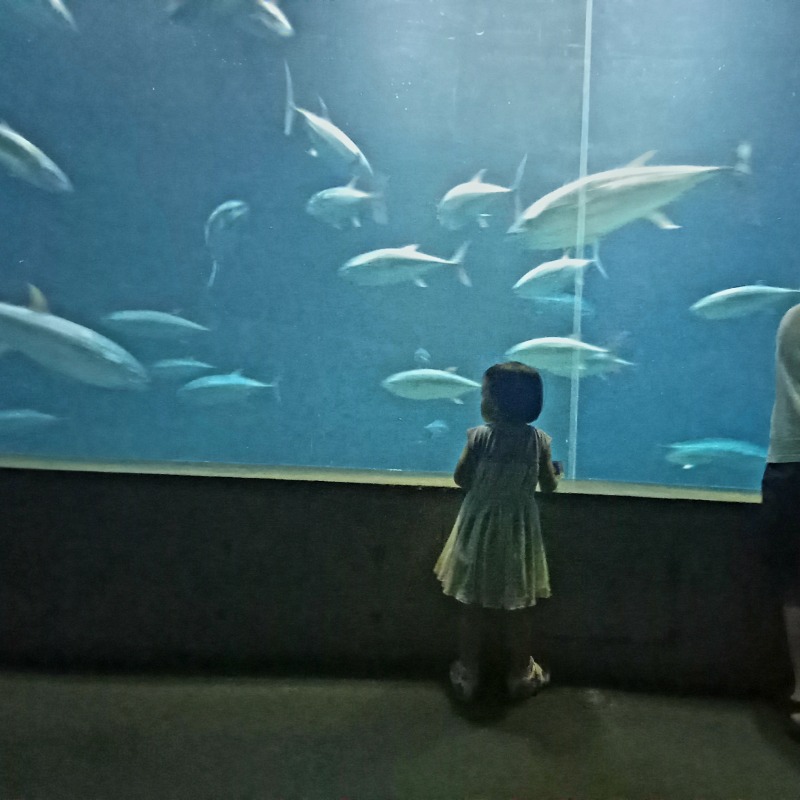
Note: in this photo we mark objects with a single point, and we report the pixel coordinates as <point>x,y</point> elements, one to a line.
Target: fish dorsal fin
<point>323,109</point>
<point>642,159</point>
<point>451,370</point>
<point>478,176</point>
<point>759,283</point>
<point>352,182</point>
<point>409,248</point>
<point>37,301</point>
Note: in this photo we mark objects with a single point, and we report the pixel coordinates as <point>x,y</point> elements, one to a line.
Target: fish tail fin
<point>742,165</point>
<point>596,258</point>
<point>515,186</point>
<point>519,174</point>
<point>458,260</point>
<point>288,115</point>
<point>379,211</point>
<point>212,277</point>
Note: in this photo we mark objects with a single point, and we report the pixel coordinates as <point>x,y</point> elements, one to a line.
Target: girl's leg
<point>791,618</point>
<point>470,637</point>
<point>518,640</point>
<point>525,676</point>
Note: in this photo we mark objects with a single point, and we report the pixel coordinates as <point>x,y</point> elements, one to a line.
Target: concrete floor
<point>114,738</point>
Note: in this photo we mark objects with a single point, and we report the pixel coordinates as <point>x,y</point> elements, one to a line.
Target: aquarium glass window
<point>297,232</point>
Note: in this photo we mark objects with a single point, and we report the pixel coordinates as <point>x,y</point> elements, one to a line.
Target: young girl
<point>494,557</point>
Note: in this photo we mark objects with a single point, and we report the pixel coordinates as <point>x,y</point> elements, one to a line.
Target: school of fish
<point>580,213</point>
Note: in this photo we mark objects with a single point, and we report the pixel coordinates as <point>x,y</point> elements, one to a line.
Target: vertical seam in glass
<point>579,246</point>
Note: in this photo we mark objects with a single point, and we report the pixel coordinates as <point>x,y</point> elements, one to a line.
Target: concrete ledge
<point>105,570</point>
<point>364,476</point>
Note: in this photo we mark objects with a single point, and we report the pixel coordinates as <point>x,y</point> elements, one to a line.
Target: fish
<point>265,18</point>
<point>422,357</point>
<point>343,204</point>
<point>21,420</point>
<point>152,324</point>
<point>191,9</point>
<point>725,452</point>
<point>66,347</point>
<point>328,142</point>
<point>551,276</point>
<point>25,161</point>
<point>470,201</point>
<point>437,428</point>
<point>223,232</point>
<point>400,265</point>
<point>429,384</point>
<point>42,13</point>
<point>178,368</point>
<point>562,303</point>
<point>740,301</point>
<point>558,354</point>
<point>612,200</point>
<point>213,390</point>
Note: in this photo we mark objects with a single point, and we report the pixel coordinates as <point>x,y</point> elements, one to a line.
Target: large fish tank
<point>159,117</point>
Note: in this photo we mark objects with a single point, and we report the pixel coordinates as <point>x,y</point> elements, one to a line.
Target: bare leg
<point>791,617</point>
<point>470,636</point>
<point>518,640</point>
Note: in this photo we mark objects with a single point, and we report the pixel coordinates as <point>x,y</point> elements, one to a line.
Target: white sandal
<point>463,680</point>
<point>530,683</point>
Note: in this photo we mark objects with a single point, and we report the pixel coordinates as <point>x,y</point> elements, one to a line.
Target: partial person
<point>494,557</point>
<point>781,491</point>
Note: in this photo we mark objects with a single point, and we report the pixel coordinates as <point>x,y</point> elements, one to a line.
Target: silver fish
<point>152,324</point>
<point>613,199</point>
<point>429,384</point>
<point>743,300</point>
<point>341,205</point>
<point>223,232</point>
<point>551,276</point>
<point>26,161</point>
<point>22,420</point>
<point>399,265</point>
<point>265,18</point>
<point>562,304</point>
<point>422,357</point>
<point>66,347</point>
<point>726,452</point>
<point>43,13</point>
<point>214,390</point>
<point>190,9</point>
<point>178,368</point>
<point>437,428</point>
<point>470,201</point>
<point>558,354</point>
<point>327,141</point>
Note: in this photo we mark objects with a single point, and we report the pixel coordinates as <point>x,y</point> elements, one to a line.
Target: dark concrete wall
<point>115,571</point>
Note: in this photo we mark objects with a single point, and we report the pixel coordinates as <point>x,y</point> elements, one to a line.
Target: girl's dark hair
<point>512,392</point>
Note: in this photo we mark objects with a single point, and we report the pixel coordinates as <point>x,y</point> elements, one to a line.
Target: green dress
<point>494,556</point>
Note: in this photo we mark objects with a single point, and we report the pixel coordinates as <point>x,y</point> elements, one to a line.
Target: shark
<point>613,199</point>
<point>67,347</point>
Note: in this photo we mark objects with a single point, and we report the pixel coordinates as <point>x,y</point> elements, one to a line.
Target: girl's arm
<point>548,474</point>
<point>465,469</point>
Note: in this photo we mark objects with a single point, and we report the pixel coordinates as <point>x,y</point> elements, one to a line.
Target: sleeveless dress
<point>494,556</point>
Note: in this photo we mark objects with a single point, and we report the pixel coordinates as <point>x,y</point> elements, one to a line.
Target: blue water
<point>157,122</point>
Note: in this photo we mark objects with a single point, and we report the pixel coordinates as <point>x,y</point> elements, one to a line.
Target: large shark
<point>612,199</point>
<point>66,347</point>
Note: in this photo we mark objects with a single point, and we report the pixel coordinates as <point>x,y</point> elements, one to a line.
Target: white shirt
<point>784,435</point>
